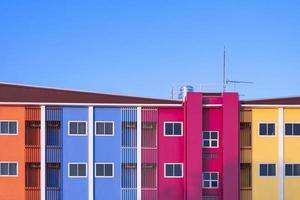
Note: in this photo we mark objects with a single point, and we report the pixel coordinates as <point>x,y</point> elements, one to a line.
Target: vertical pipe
<point>91,151</point>
<point>139,147</point>
<point>43,158</point>
<point>280,153</point>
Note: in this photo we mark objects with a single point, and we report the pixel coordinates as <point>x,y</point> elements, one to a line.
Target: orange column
<point>12,148</point>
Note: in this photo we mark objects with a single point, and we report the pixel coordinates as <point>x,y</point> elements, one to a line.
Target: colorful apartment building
<point>60,144</point>
<point>270,144</point>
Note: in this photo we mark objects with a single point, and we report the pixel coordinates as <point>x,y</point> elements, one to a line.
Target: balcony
<point>246,193</point>
<point>246,154</point>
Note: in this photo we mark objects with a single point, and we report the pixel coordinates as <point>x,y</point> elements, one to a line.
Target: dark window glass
<point>4,169</point>
<point>214,184</point>
<point>263,170</point>
<point>73,128</point>
<point>81,170</point>
<point>109,128</point>
<point>262,129</point>
<point>288,129</point>
<point>13,169</point>
<point>271,129</point>
<point>205,135</point>
<point>168,129</point>
<point>108,170</point>
<point>206,176</point>
<point>214,135</point>
<point>271,170</point>
<point>4,127</point>
<point>296,129</point>
<point>169,170</point>
<point>214,176</point>
<point>289,170</point>
<point>73,170</point>
<point>214,143</point>
<point>177,128</point>
<point>206,184</point>
<point>297,170</point>
<point>12,127</point>
<point>178,171</point>
<point>81,128</point>
<point>206,143</point>
<point>100,128</point>
<point>99,170</point>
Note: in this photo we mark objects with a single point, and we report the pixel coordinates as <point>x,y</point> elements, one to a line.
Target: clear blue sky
<point>143,47</point>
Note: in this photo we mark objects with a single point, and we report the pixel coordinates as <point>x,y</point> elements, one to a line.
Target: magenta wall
<point>231,146</point>
<point>213,121</point>
<point>170,149</point>
<point>193,146</point>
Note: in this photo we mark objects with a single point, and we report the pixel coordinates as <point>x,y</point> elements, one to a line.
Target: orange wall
<point>12,148</point>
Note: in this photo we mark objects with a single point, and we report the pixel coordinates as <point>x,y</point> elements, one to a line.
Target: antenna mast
<point>224,70</point>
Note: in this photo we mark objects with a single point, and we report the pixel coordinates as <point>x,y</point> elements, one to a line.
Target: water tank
<point>184,90</point>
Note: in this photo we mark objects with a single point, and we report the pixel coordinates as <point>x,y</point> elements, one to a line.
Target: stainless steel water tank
<point>184,90</point>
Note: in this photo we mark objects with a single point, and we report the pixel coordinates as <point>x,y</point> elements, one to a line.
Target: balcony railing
<point>246,193</point>
<point>246,154</point>
<point>32,193</point>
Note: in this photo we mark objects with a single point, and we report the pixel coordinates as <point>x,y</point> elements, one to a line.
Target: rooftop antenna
<point>224,70</point>
<point>237,82</point>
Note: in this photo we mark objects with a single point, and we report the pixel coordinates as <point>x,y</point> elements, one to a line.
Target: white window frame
<point>293,130</point>
<point>293,170</point>
<point>17,122</point>
<point>173,122</point>
<point>165,168</point>
<point>86,169</point>
<point>78,135</point>
<point>210,140</point>
<point>11,162</point>
<point>101,135</point>
<point>105,163</point>
<point>210,180</point>
<point>268,170</point>
<point>275,130</point>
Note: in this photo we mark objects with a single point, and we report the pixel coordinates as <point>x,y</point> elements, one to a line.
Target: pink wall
<point>193,146</point>
<point>170,149</point>
<point>213,121</point>
<point>231,146</point>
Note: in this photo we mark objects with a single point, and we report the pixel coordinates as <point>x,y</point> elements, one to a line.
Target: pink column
<point>231,146</point>
<point>193,146</point>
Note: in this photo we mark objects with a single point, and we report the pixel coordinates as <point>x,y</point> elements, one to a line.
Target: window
<point>267,169</point>
<point>292,129</point>
<point>292,169</point>
<point>77,170</point>
<point>104,128</point>
<point>8,127</point>
<point>104,170</point>
<point>173,129</point>
<point>77,128</point>
<point>8,169</point>
<point>210,180</point>
<point>267,129</point>
<point>173,170</point>
<point>210,139</point>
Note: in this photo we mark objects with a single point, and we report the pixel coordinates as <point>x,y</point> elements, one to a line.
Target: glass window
<point>104,128</point>
<point>267,129</point>
<point>8,169</point>
<point>173,128</point>
<point>104,169</point>
<point>210,180</point>
<point>210,139</point>
<point>267,169</point>
<point>292,169</point>
<point>292,129</point>
<point>8,127</point>
<point>77,128</point>
<point>173,170</point>
<point>77,169</point>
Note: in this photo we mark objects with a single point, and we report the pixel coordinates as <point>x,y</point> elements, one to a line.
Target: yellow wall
<point>264,150</point>
<point>291,155</point>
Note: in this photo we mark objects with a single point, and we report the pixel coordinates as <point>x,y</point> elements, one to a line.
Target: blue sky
<point>141,47</point>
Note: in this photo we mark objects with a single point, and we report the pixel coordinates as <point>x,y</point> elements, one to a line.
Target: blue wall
<point>107,149</point>
<point>75,149</point>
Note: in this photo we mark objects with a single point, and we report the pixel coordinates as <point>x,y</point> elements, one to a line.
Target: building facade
<point>270,162</point>
<point>60,144</point>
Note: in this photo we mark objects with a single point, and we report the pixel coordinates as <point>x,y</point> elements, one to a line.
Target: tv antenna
<point>226,82</point>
